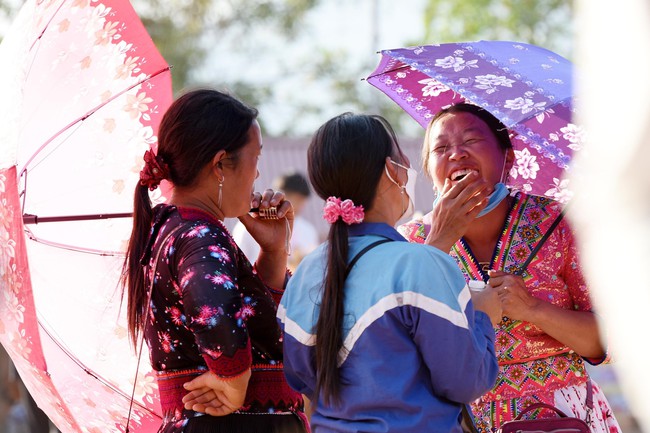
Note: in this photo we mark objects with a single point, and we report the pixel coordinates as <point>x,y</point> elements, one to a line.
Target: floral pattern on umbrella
<point>526,87</point>
<point>84,90</point>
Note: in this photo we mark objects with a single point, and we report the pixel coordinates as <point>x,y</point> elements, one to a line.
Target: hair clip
<point>270,213</point>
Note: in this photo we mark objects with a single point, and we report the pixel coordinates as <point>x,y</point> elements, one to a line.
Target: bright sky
<point>341,27</point>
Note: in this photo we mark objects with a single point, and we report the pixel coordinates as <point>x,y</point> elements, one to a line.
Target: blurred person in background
<point>304,237</point>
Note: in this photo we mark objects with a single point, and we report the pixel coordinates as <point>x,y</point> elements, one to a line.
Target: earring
<point>219,199</point>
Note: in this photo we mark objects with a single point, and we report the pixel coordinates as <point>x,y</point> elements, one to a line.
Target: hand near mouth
<point>459,204</point>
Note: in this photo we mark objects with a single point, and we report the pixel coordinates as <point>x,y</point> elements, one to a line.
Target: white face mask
<point>409,188</point>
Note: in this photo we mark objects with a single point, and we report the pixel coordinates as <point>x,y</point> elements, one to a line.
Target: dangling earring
<point>219,199</point>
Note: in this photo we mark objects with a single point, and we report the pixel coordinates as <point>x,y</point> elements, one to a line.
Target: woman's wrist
<point>536,310</point>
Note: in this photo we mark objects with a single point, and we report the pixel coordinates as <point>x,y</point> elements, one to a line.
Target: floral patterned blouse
<point>210,310</point>
<point>532,364</point>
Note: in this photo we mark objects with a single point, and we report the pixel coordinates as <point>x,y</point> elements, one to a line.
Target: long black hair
<point>196,126</point>
<point>346,159</point>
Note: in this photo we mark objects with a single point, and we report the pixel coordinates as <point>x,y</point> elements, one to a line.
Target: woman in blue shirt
<point>390,339</point>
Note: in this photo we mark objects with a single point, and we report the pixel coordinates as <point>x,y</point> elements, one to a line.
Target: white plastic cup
<point>476,285</point>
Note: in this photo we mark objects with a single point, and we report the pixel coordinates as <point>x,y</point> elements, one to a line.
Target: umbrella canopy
<point>84,89</point>
<point>528,88</point>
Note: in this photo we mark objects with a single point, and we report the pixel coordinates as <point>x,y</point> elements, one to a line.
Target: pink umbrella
<point>84,89</point>
<point>528,88</point>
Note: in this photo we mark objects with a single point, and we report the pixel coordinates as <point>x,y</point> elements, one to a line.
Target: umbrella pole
<point>35,219</point>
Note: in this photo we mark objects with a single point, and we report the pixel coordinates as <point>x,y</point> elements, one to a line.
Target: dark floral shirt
<point>210,310</point>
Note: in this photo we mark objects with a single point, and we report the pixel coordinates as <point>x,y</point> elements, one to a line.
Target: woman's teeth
<point>460,174</point>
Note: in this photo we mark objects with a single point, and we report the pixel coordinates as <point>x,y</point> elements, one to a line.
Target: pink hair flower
<point>346,210</point>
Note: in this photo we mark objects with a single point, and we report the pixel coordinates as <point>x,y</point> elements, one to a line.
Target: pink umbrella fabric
<point>84,89</point>
<point>528,88</point>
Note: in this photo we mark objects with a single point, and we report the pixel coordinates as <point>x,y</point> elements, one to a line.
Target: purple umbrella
<point>528,88</point>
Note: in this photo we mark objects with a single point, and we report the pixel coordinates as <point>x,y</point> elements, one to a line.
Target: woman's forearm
<point>272,268</point>
<point>576,329</point>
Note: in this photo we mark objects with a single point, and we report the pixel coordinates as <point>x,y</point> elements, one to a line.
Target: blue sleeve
<point>459,348</point>
<point>298,369</point>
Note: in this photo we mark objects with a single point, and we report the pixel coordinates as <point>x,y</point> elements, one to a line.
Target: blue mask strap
<point>500,192</point>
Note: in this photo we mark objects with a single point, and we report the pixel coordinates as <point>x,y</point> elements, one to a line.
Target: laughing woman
<point>549,329</point>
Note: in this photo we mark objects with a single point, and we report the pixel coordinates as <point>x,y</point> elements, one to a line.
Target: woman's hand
<point>457,208</point>
<point>273,236</point>
<point>216,396</point>
<point>516,302</point>
<point>270,234</point>
<point>576,329</point>
<point>487,301</point>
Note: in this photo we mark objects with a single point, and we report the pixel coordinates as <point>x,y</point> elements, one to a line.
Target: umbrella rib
<point>404,66</point>
<point>35,219</point>
<point>88,370</point>
<point>33,237</point>
<point>90,113</point>
<point>47,26</point>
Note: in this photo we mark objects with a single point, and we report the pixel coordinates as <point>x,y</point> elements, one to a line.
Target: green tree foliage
<point>183,30</point>
<point>547,23</point>
<point>206,40</point>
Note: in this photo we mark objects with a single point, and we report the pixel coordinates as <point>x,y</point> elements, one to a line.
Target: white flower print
<point>15,309</point>
<point>457,63</point>
<point>525,166</point>
<point>524,104</point>
<point>7,247</point>
<point>527,187</point>
<point>553,136</point>
<point>400,75</point>
<point>560,190</point>
<point>544,114</point>
<point>145,385</point>
<point>20,343</point>
<point>490,80</point>
<point>575,134</point>
<point>432,87</point>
